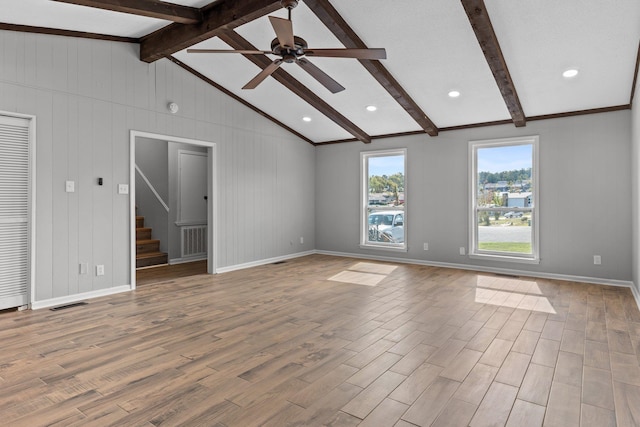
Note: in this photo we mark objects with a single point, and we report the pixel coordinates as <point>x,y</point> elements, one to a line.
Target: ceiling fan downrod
<point>289,4</point>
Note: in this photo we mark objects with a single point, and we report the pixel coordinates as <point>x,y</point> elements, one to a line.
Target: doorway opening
<point>173,183</point>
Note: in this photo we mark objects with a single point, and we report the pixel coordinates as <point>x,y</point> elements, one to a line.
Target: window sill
<point>385,248</point>
<point>505,258</point>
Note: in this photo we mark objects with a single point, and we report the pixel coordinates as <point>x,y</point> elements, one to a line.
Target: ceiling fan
<point>291,48</point>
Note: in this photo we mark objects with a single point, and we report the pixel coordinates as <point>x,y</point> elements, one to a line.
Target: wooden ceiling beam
<point>219,16</point>
<point>66,33</point>
<point>482,27</point>
<point>150,8</point>
<point>339,27</point>
<point>237,42</point>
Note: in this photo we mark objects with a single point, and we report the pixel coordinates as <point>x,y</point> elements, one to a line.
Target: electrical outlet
<point>426,246</point>
<point>84,268</point>
<point>70,186</point>
<point>462,251</point>
<point>100,270</point>
<point>597,259</point>
<point>301,240</point>
<point>123,188</point>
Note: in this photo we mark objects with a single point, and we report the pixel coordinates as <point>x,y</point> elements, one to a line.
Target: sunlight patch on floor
<point>509,284</point>
<point>369,267</point>
<point>364,273</point>
<point>513,293</point>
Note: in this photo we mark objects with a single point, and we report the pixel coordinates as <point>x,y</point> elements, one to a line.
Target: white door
<point>14,211</point>
<point>192,190</point>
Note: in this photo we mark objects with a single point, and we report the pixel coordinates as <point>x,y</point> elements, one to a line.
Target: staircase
<point>147,249</point>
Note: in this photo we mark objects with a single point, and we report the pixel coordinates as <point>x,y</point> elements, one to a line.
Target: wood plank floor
<point>329,341</point>
<point>163,273</point>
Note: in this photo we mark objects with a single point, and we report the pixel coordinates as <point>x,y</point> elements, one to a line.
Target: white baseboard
<point>595,280</point>
<point>175,261</point>
<point>509,271</point>
<point>78,297</point>
<point>263,262</point>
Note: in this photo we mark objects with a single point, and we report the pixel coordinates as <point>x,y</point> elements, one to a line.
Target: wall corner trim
<point>636,294</point>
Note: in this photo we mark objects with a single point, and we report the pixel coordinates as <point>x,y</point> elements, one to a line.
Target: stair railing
<point>153,190</point>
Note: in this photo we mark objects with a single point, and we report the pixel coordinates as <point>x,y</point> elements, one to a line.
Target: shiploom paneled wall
<point>87,95</point>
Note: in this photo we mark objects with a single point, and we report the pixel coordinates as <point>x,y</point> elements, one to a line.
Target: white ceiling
<point>431,50</point>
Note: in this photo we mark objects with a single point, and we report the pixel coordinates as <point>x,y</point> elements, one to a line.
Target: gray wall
<point>635,180</point>
<point>87,95</point>
<point>585,203</point>
<point>153,161</point>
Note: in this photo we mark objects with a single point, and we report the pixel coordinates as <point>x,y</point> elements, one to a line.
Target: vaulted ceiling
<point>505,58</point>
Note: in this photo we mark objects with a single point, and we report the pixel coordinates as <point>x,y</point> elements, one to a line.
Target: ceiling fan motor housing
<point>289,55</point>
<point>289,4</point>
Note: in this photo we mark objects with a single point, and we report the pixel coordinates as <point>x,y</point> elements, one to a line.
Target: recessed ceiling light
<point>571,72</point>
<point>371,108</point>
<point>306,118</point>
<point>454,94</point>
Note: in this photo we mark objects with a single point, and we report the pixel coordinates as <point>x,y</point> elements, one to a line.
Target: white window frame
<point>364,200</point>
<point>474,252</point>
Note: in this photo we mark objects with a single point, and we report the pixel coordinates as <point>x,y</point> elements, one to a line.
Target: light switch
<point>70,186</point>
<point>123,188</point>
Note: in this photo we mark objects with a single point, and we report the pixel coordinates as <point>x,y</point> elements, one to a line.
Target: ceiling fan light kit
<point>292,49</point>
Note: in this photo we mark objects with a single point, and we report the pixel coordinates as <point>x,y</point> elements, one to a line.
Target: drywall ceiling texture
<point>538,46</point>
<point>87,95</point>
<point>585,203</point>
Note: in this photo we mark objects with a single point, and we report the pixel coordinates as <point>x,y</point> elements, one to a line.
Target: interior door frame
<point>212,196</point>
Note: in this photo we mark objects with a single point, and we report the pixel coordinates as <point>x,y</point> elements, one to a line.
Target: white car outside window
<point>386,226</point>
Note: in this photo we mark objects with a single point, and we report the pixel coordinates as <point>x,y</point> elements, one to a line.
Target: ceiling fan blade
<point>244,52</point>
<point>266,72</point>
<point>284,31</point>
<point>319,75</point>
<point>348,53</point>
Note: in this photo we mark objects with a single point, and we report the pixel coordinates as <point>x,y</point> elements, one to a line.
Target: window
<point>383,203</point>
<point>504,199</point>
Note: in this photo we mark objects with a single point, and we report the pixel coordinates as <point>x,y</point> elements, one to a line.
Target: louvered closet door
<point>14,211</point>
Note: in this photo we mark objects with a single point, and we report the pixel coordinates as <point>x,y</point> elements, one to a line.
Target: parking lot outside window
<point>504,200</point>
<point>383,221</point>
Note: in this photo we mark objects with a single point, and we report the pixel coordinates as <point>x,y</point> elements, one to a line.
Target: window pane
<point>499,232</point>
<point>385,226</point>
<point>385,199</point>
<point>504,176</point>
